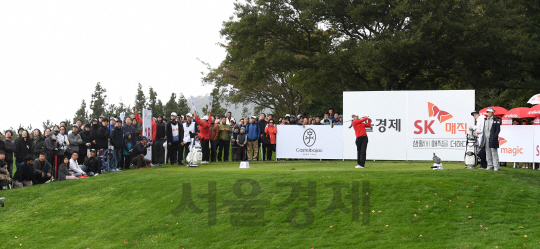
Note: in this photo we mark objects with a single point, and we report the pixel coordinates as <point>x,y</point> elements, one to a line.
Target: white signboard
<point>312,142</point>
<point>410,125</point>
<point>387,138</point>
<point>536,147</point>
<point>147,131</point>
<point>122,117</point>
<point>192,104</point>
<point>516,143</point>
<point>210,100</point>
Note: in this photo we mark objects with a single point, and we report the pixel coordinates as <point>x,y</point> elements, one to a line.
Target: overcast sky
<point>52,53</point>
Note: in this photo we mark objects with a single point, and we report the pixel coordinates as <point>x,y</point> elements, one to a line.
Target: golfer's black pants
<point>174,150</point>
<point>483,161</point>
<point>361,147</point>
<point>205,144</point>
<point>223,153</point>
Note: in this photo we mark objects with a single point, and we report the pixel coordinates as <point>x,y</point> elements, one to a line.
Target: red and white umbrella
<point>535,100</point>
<point>535,110</point>
<point>499,111</point>
<point>520,112</point>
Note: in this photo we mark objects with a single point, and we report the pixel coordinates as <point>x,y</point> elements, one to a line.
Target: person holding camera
<point>139,151</point>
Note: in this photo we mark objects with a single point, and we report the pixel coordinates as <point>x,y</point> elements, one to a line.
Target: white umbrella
<point>535,100</point>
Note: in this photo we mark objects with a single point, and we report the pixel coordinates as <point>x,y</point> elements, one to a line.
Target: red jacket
<point>154,125</point>
<point>204,127</point>
<point>360,127</point>
<point>271,130</point>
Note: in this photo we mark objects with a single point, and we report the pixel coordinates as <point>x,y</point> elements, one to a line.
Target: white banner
<point>410,125</point>
<point>312,142</point>
<point>536,147</point>
<point>192,104</point>
<point>516,143</point>
<point>147,130</point>
<point>210,100</point>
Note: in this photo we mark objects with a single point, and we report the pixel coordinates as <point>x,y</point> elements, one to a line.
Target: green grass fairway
<point>410,206</point>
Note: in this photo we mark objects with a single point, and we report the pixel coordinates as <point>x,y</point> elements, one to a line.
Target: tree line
<point>296,56</point>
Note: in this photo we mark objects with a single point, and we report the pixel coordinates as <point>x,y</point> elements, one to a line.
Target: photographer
<point>139,151</point>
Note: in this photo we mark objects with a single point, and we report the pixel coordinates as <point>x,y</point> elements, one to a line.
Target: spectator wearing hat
<point>25,173</point>
<point>117,141</point>
<point>23,147</point>
<point>42,170</point>
<point>361,139</point>
<point>204,134</point>
<point>270,130</point>
<point>253,132</point>
<point>340,120</point>
<point>92,165</point>
<point>479,129</point>
<point>112,123</point>
<point>175,136</point>
<point>160,138</point>
<point>214,139</point>
<point>74,140</point>
<point>224,139</point>
<point>190,131</point>
<point>139,151</point>
<point>490,139</point>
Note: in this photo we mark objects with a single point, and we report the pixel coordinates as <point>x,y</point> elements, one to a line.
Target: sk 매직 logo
<point>309,137</point>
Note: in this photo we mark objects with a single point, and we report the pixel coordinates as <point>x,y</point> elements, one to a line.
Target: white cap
<point>182,116</point>
<point>189,115</point>
<point>490,110</point>
<point>205,117</point>
<point>354,114</point>
<point>173,114</point>
<point>253,117</point>
<point>288,115</point>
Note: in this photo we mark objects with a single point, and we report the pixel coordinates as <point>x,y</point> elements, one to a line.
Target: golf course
<point>406,205</point>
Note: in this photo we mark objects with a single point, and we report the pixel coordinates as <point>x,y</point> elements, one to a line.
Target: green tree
<point>183,107</point>
<point>81,113</point>
<point>245,112</point>
<point>140,99</point>
<point>47,124</point>
<point>171,105</point>
<point>216,105</point>
<point>152,101</point>
<point>160,110</point>
<point>123,108</point>
<point>97,102</point>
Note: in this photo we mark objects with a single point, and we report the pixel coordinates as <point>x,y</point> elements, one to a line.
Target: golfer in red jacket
<point>204,134</point>
<point>361,138</point>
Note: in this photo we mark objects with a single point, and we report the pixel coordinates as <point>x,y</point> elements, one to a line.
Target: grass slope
<point>414,207</point>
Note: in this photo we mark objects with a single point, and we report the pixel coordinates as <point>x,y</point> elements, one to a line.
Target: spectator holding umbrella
<point>490,139</point>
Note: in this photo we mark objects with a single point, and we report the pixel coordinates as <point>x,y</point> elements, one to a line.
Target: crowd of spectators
<point>59,153</point>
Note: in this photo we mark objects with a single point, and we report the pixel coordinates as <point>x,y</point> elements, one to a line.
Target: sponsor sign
<point>312,142</point>
<point>147,131</point>
<point>536,146</point>
<point>515,145</point>
<point>429,122</point>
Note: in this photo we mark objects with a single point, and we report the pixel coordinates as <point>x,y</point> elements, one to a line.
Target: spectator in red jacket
<point>270,130</point>
<point>361,138</point>
<point>204,134</point>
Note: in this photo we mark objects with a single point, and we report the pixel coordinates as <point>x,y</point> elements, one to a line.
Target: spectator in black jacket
<point>161,138</point>
<point>42,170</point>
<point>83,148</point>
<point>25,173</point>
<point>129,128</point>
<point>9,149</point>
<point>23,147</point>
<point>117,138</point>
<point>102,137</point>
<point>5,176</point>
<point>51,147</point>
<point>139,151</point>
<point>94,127</point>
<point>92,165</point>
<point>262,124</point>
<point>175,135</point>
<point>38,143</point>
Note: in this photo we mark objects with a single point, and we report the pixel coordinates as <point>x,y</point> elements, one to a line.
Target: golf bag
<point>471,150</point>
<point>194,156</point>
